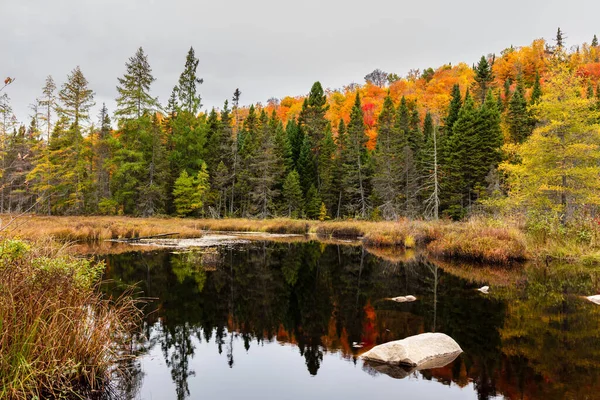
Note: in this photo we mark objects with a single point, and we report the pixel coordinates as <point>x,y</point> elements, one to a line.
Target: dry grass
<point>477,240</point>
<point>480,240</point>
<point>58,336</point>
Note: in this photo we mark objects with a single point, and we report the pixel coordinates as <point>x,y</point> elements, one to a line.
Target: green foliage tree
<point>189,192</point>
<point>483,78</point>
<point>188,85</point>
<point>292,194</point>
<point>354,159</point>
<point>134,88</point>
<point>76,98</point>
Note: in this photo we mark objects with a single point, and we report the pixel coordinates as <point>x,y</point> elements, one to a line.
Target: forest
<point>514,132</point>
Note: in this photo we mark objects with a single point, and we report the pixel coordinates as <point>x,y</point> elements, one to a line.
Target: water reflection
<point>534,341</point>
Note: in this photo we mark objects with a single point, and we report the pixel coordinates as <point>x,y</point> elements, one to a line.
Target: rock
<point>484,289</point>
<point>424,351</point>
<point>403,299</point>
<point>594,299</point>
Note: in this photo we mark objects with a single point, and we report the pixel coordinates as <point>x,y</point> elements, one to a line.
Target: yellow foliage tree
<point>559,165</point>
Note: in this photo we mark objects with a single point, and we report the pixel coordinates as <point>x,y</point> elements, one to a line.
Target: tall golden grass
<point>478,239</point>
<point>58,336</point>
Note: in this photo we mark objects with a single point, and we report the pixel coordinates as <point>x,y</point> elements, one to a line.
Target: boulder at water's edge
<point>424,351</point>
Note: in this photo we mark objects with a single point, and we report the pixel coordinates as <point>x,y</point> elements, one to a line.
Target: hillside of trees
<point>517,131</point>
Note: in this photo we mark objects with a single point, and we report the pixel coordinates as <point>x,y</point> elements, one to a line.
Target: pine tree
<point>134,88</point>
<point>76,98</point>
<point>326,169</point>
<point>292,194</point>
<point>220,182</point>
<point>188,85</point>
<point>595,41</point>
<point>483,78</point>
<point>338,169</point>
<point>354,156</point>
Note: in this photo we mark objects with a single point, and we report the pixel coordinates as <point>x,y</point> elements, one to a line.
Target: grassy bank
<point>476,240</point>
<point>58,337</point>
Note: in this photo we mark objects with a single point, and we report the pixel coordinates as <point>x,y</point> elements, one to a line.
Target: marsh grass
<point>59,337</point>
<point>479,239</point>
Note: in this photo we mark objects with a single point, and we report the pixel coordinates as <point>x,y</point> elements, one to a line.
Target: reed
<point>59,337</point>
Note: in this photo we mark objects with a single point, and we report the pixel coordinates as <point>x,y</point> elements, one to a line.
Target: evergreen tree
<point>134,88</point>
<point>292,194</point>
<point>483,78</point>
<point>306,166</point>
<point>313,203</point>
<point>102,151</point>
<point>48,103</point>
<point>387,162</point>
<point>338,169</point>
<point>314,125</point>
<point>518,119</point>
<point>76,98</point>
<point>536,92</point>
<point>188,85</point>
<point>326,168</point>
<point>354,156</point>
<point>295,138</point>
<point>189,192</point>
<point>595,41</point>
<point>559,39</point>
<point>265,169</point>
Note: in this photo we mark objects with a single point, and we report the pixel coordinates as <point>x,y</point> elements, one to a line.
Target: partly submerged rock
<point>424,351</point>
<point>594,299</point>
<point>484,289</point>
<point>404,299</point>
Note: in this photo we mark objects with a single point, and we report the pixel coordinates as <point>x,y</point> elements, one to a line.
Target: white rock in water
<point>484,289</point>
<point>594,299</point>
<point>424,351</point>
<point>403,299</point>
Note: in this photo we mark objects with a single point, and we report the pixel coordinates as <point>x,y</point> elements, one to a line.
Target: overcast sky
<point>267,48</point>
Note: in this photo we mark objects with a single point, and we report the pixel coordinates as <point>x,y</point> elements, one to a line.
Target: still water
<point>288,321</point>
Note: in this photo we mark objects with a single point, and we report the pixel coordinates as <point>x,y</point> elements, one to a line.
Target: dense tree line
<point>251,162</point>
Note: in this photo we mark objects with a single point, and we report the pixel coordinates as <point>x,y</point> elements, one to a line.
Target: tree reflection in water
<point>533,341</point>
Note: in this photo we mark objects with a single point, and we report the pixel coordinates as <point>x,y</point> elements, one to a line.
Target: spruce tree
<point>536,92</point>
<point>48,103</point>
<point>483,78</point>
<point>387,162</point>
<point>102,151</point>
<point>518,118</point>
<point>188,85</point>
<point>134,88</point>
<point>354,156</point>
<point>292,194</point>
<point>595,41</point>
<point>76,98</point>
<point>559,39</point>
<point>314,125</point>
<point>295,138</point>
<point>306,166</point>
<point>312,205</point>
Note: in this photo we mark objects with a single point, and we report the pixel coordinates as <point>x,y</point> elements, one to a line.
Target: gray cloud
<point>267,48</point>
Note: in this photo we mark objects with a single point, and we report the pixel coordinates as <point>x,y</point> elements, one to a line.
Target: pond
<point>288,321</point>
